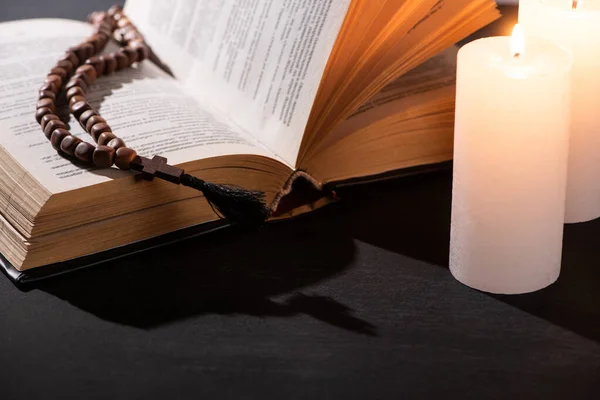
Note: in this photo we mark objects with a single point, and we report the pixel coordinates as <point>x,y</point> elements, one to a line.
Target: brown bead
<point>124,157</point>
<point>104,156</point>
<point>49,86</point>
<point>122,60</point>
<point>46,94</point>
<point>57,80</point>
<point>52,125</point>
<point>83,118</point>
<point>87,70</point>
<point>83,52</point>
<point>71,57</point>
<point>98,41</point>
<point>96,17</point>
<point>75,91</point>
<point>47,118</point>
<point>116,143</point>
<point>84,152</point>
<point>85,77</point>
<point>123,22</point>
<point>142,50</point>
<point>75,99</point>
<point>130,53</point>
<point>79,107</point>
<point>97,63</point>
<point>96,119</point>
<point>49,103</point>
<point>105,26</point>
<point>106,137</point>
<point>132,35</point>
<point>69,143</point>
<point>76,82</point>
<point>106,33</point>
<point>57,137</point>
<point>66,65</point>
<point>110,64</point>
<point>60,72</point>
<point>98,129</point>
<point>41,112</point>
<point>115,10</point>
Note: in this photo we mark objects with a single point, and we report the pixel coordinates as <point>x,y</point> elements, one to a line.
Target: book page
<point>259,62</point>
<point>144,106</point>
<point>425,90</point>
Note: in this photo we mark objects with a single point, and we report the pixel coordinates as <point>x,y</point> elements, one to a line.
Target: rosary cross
<point>157,166</point>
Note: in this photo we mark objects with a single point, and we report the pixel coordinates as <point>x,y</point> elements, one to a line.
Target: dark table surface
<point>353,301</point>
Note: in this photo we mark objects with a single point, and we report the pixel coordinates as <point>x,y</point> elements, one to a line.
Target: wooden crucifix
<point>157,166</point>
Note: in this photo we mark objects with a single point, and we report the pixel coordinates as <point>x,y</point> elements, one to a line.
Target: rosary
<point>76,71</point>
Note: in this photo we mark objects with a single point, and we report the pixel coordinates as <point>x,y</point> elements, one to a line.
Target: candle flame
<point>576,3</point>
<point>517,42</point>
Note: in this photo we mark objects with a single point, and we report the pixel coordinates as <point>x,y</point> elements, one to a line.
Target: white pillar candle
<point>575,25</point>
<point>510,164</point>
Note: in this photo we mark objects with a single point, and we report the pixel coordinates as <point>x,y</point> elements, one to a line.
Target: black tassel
<point>243,207</point>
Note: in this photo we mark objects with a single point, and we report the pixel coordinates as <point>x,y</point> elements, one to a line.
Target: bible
<point>291,98</point>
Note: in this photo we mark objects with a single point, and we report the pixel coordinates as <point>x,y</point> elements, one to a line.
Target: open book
<point>262,92</point>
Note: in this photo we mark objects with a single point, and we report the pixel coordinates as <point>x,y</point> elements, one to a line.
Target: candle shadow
<point>411,216</point>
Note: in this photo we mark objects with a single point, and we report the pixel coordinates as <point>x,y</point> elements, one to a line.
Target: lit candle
<point>510,164</point>
<point>575,25</point>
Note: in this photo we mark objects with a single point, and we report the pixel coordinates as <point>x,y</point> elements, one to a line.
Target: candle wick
<point>517,55</point>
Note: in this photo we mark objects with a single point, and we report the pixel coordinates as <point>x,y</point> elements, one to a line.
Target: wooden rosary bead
<point>71,57</point>
<point>49,103</point>
<point>116,143</point>
<point>106,137</point>
<point>83,118</point>
<point>115,10</point>
<point>105,26</point>
<point>84,77</point>
<point>98,41</point>
<point>57,80</point>
<point>84,152</point>
<point>110,64</point>
<point>78,108</point>
<point>76,82</point>
<point>52,125</point>
<point>96,119</point>
<point>60,72</point>
<point>97,63</point>
<point>48,86</point>
<point>41,112</point>
<point>87,70</point>
<point>122,60</point>
<point>142,50</point>
<point>104,156</point>
<point>75,99</point>
<point>66,65</point>
<point>97,17</point>
<point>132,34</point>
<point>99,129</point>
<point>46,94</point>
<point>83,52</point>
<point>130,53</point>
<point>106,33</point>
<point>123,22</point>
<point>47,118</point>
<point>57,137</point>
<point>75,91</point>
<point>124,157</point>
<point>69,143</point>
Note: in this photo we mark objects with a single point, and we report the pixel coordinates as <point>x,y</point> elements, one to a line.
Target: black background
<point>353,301</point>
